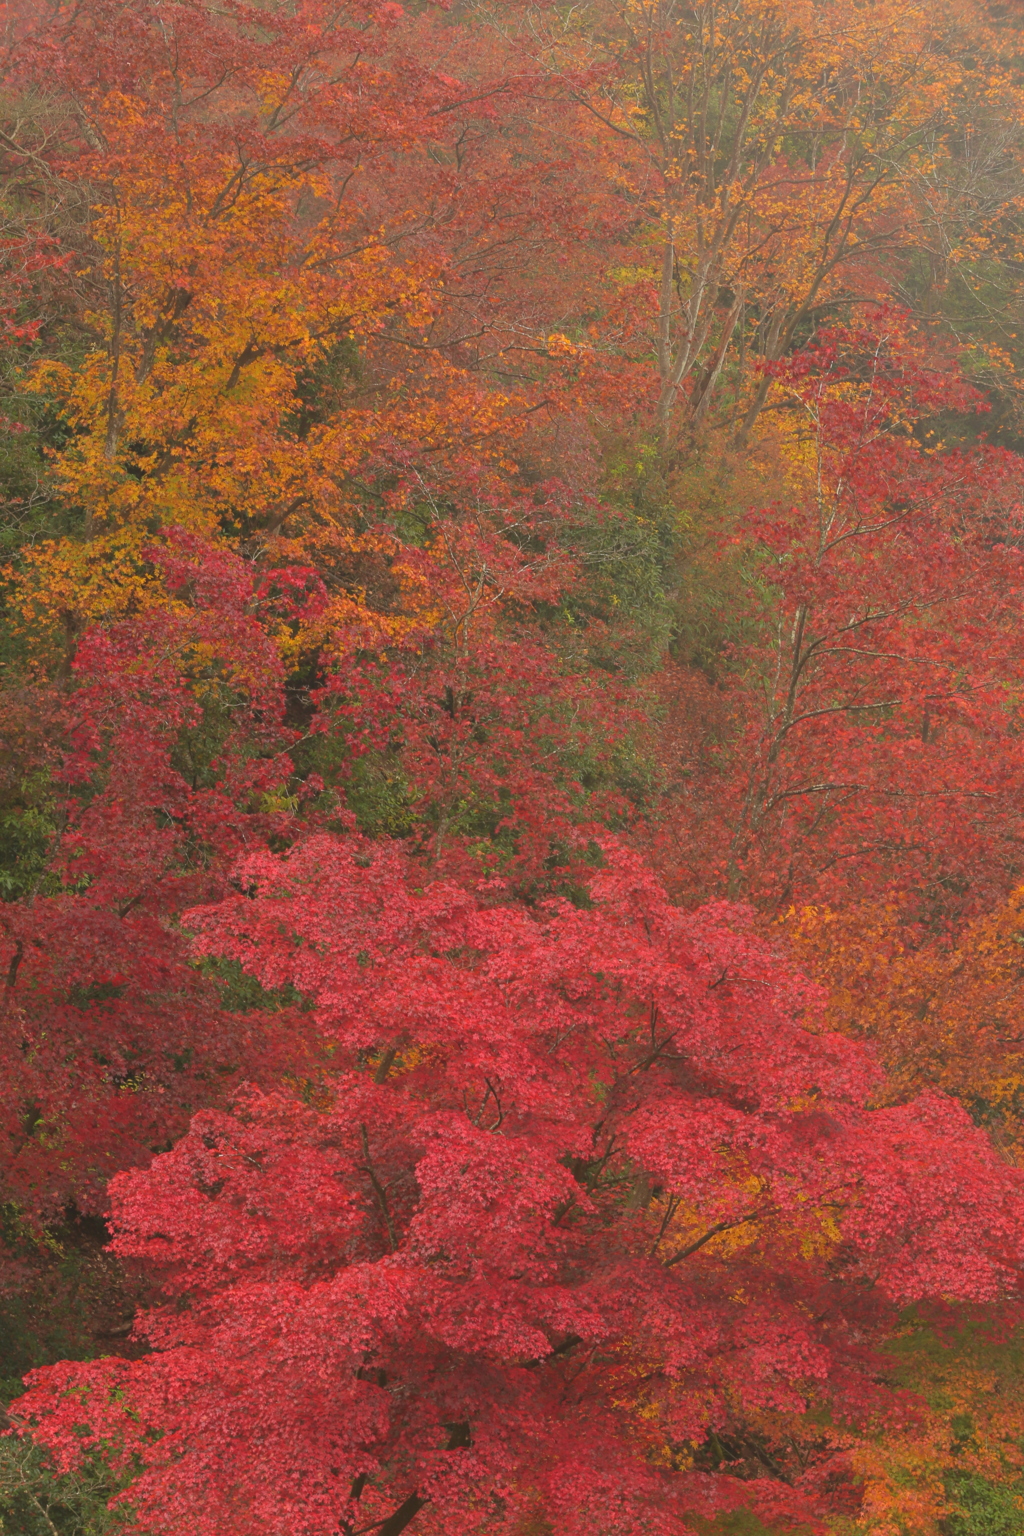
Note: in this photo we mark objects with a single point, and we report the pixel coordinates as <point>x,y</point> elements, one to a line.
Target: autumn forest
<point>512,768</point>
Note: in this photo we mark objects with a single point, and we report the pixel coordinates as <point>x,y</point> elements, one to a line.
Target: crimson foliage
<point>168,747</point>
<point>585,1184</point>
<point>878,746</point>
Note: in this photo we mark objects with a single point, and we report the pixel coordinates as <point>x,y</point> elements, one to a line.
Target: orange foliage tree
<point>949,1014</point>
<point>299,316</point>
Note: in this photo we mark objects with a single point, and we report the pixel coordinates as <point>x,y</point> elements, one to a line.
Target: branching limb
<point>378,1189</point>
<point>721,1226</point>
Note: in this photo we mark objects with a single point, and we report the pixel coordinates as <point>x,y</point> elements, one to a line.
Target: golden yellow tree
<point>268,349</point>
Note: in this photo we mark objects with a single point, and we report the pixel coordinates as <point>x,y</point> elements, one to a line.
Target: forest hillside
<point>512,767</point>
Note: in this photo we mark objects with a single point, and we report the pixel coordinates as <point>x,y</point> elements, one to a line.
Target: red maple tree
<point>166,754</point>
<point>585,1186</point>
<point>875,696</point>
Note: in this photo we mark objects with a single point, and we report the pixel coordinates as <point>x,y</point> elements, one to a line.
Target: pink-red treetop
<point>584,1184</point>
